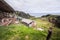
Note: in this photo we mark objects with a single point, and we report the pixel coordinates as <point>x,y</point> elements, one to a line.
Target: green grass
<point>42,23</point>
<point>46,25</point>
<point>22,32</point>
<point>19,32</point>
<point>56,34</point>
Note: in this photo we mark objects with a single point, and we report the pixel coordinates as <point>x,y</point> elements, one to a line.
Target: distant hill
<point>23,14</point>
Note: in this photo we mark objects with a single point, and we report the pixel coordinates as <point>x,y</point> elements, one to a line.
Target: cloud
<point>36,6</point>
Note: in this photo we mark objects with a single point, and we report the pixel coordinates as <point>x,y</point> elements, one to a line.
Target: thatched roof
<point>4,7</point>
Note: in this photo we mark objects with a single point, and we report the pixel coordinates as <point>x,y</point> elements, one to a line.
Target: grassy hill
<point>22,32</point>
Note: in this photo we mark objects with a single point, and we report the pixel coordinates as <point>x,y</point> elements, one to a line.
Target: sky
<point>36,7</point>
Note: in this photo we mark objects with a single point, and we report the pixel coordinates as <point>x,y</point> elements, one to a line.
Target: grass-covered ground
<point>56,34</point>
<point>46,25</point>
<point>22,32</point>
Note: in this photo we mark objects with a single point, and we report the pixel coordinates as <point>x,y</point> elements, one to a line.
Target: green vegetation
<point>56,34</point>
<point>55,19</point>
<point>22,32</point>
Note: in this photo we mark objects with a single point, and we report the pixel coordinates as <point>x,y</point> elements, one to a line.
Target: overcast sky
<point>36,6</point>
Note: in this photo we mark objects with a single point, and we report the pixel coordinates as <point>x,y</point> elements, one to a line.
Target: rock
<point>40,29</point>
